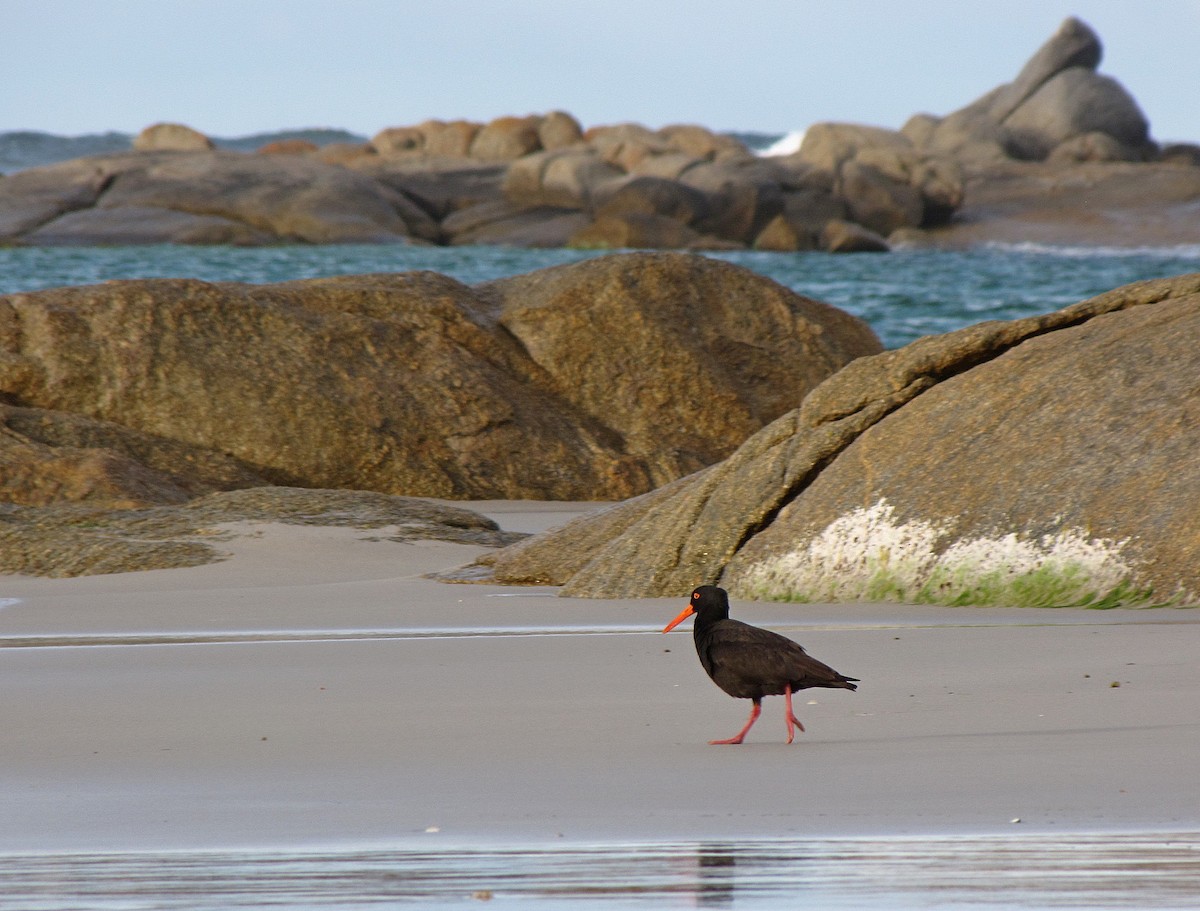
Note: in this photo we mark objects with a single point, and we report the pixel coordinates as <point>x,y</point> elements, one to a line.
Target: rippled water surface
<point>1040,871</point>
<point>903,295</point>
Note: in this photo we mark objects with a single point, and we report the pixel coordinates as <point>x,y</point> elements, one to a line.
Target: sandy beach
<point>315,689</point>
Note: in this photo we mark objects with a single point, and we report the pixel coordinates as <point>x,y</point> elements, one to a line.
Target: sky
<point>238,67</point>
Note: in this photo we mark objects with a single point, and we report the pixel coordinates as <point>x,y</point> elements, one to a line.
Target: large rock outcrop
<point>1075,428</point>
<point>597,380</point>
<point>80,539</point>
<point>1061,155</point>
<point>538,180</point>
<point>172,137</point>
<point>1057,99</point>
<point>203,197</point>
<point>886,181</point>
<point>1097,204</point>
<point>51,457</point>
<point>1058,133</point>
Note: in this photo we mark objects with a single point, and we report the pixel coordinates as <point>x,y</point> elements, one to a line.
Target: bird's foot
<point>793,722</point>
<point>737,739</point>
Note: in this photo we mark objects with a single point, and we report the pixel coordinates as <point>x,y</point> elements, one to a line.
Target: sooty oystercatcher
<point>748,662</point>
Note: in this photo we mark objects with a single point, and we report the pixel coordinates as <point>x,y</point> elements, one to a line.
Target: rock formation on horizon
<point>547,181</point>
<point>1059,108</point>
<point>1062,155</point>
<point>540,181</point>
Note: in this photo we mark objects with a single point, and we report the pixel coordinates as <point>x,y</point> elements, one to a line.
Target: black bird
<point>748,662</point>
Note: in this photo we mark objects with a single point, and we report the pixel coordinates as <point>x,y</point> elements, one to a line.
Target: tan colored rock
<point>1073,46</point>
<point>701,142</point>
<point>171,137</point>
<point>345,153</point>
<point>942,187</point>
<point>52,457</point>
<point>1055,98</point>
<point>371,382</point>
<point>566,178</point>
<point>627,145</point>
<point>558,130</point>
<point>1074,103</point>
<point>441,186</point>
<point>512,224</point>
<point>886,182</point>
<point>878,202</point>
<point>828,146</point>
<point>573,178</point>
<point>289,147</point>
<point>32,475</point>
<point>398,140</point>
<point>840,236</point>
<point>285,196</point>
<point>969,136</point>
<point>1077,203</point>
<point>506,138</point>
<point>1070,431</point>
<point>743,197</point>
<point>1029,427</point>
<point>1091,147</point>
<point>810,208</point>
<point>653,196</point>
<point>206,197</point>
<point>1183,154</point>
<point>448,139</point>
<point>668,165</point>
<point>35,196</point>
<point>782,235</point>
<point>634,231</point>
<point>121,225</point>
<point>731,348</point>
<point>414,382</point>
<point>81,539</point>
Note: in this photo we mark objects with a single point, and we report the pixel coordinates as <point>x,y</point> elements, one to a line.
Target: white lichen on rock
<point>867,555</point>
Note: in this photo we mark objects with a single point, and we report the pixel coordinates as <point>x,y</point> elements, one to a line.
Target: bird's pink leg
<point>737,738</point>
<point>792,720</point>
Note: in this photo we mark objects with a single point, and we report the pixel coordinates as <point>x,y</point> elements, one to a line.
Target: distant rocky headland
<point>1062,154</point>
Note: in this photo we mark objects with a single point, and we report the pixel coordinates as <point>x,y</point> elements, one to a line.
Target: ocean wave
<point>903,295</point>
<point>1185,251</point>
<point>787,144</point>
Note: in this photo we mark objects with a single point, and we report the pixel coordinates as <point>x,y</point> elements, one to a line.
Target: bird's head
<point>708,601</point>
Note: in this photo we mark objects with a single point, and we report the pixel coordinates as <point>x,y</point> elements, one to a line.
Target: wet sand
<point>314,689</point>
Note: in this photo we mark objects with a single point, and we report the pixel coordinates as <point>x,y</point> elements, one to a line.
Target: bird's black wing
<point>749,662</point>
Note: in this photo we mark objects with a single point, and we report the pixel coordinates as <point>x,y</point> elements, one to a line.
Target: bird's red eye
<point>695,594</point>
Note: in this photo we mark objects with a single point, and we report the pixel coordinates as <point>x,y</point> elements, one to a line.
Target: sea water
<point>1095,872</point>
<point>903,295</point>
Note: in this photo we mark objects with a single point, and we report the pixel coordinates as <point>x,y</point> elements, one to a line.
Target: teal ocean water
<point>903,295</point>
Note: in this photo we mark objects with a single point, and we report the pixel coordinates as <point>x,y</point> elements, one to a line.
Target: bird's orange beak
<point>687,612</point>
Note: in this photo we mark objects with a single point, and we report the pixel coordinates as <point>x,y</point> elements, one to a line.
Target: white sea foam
<point>784,145</point>
<point>866,555</point>
<point>9,602</point>
<point>1188,251</point>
